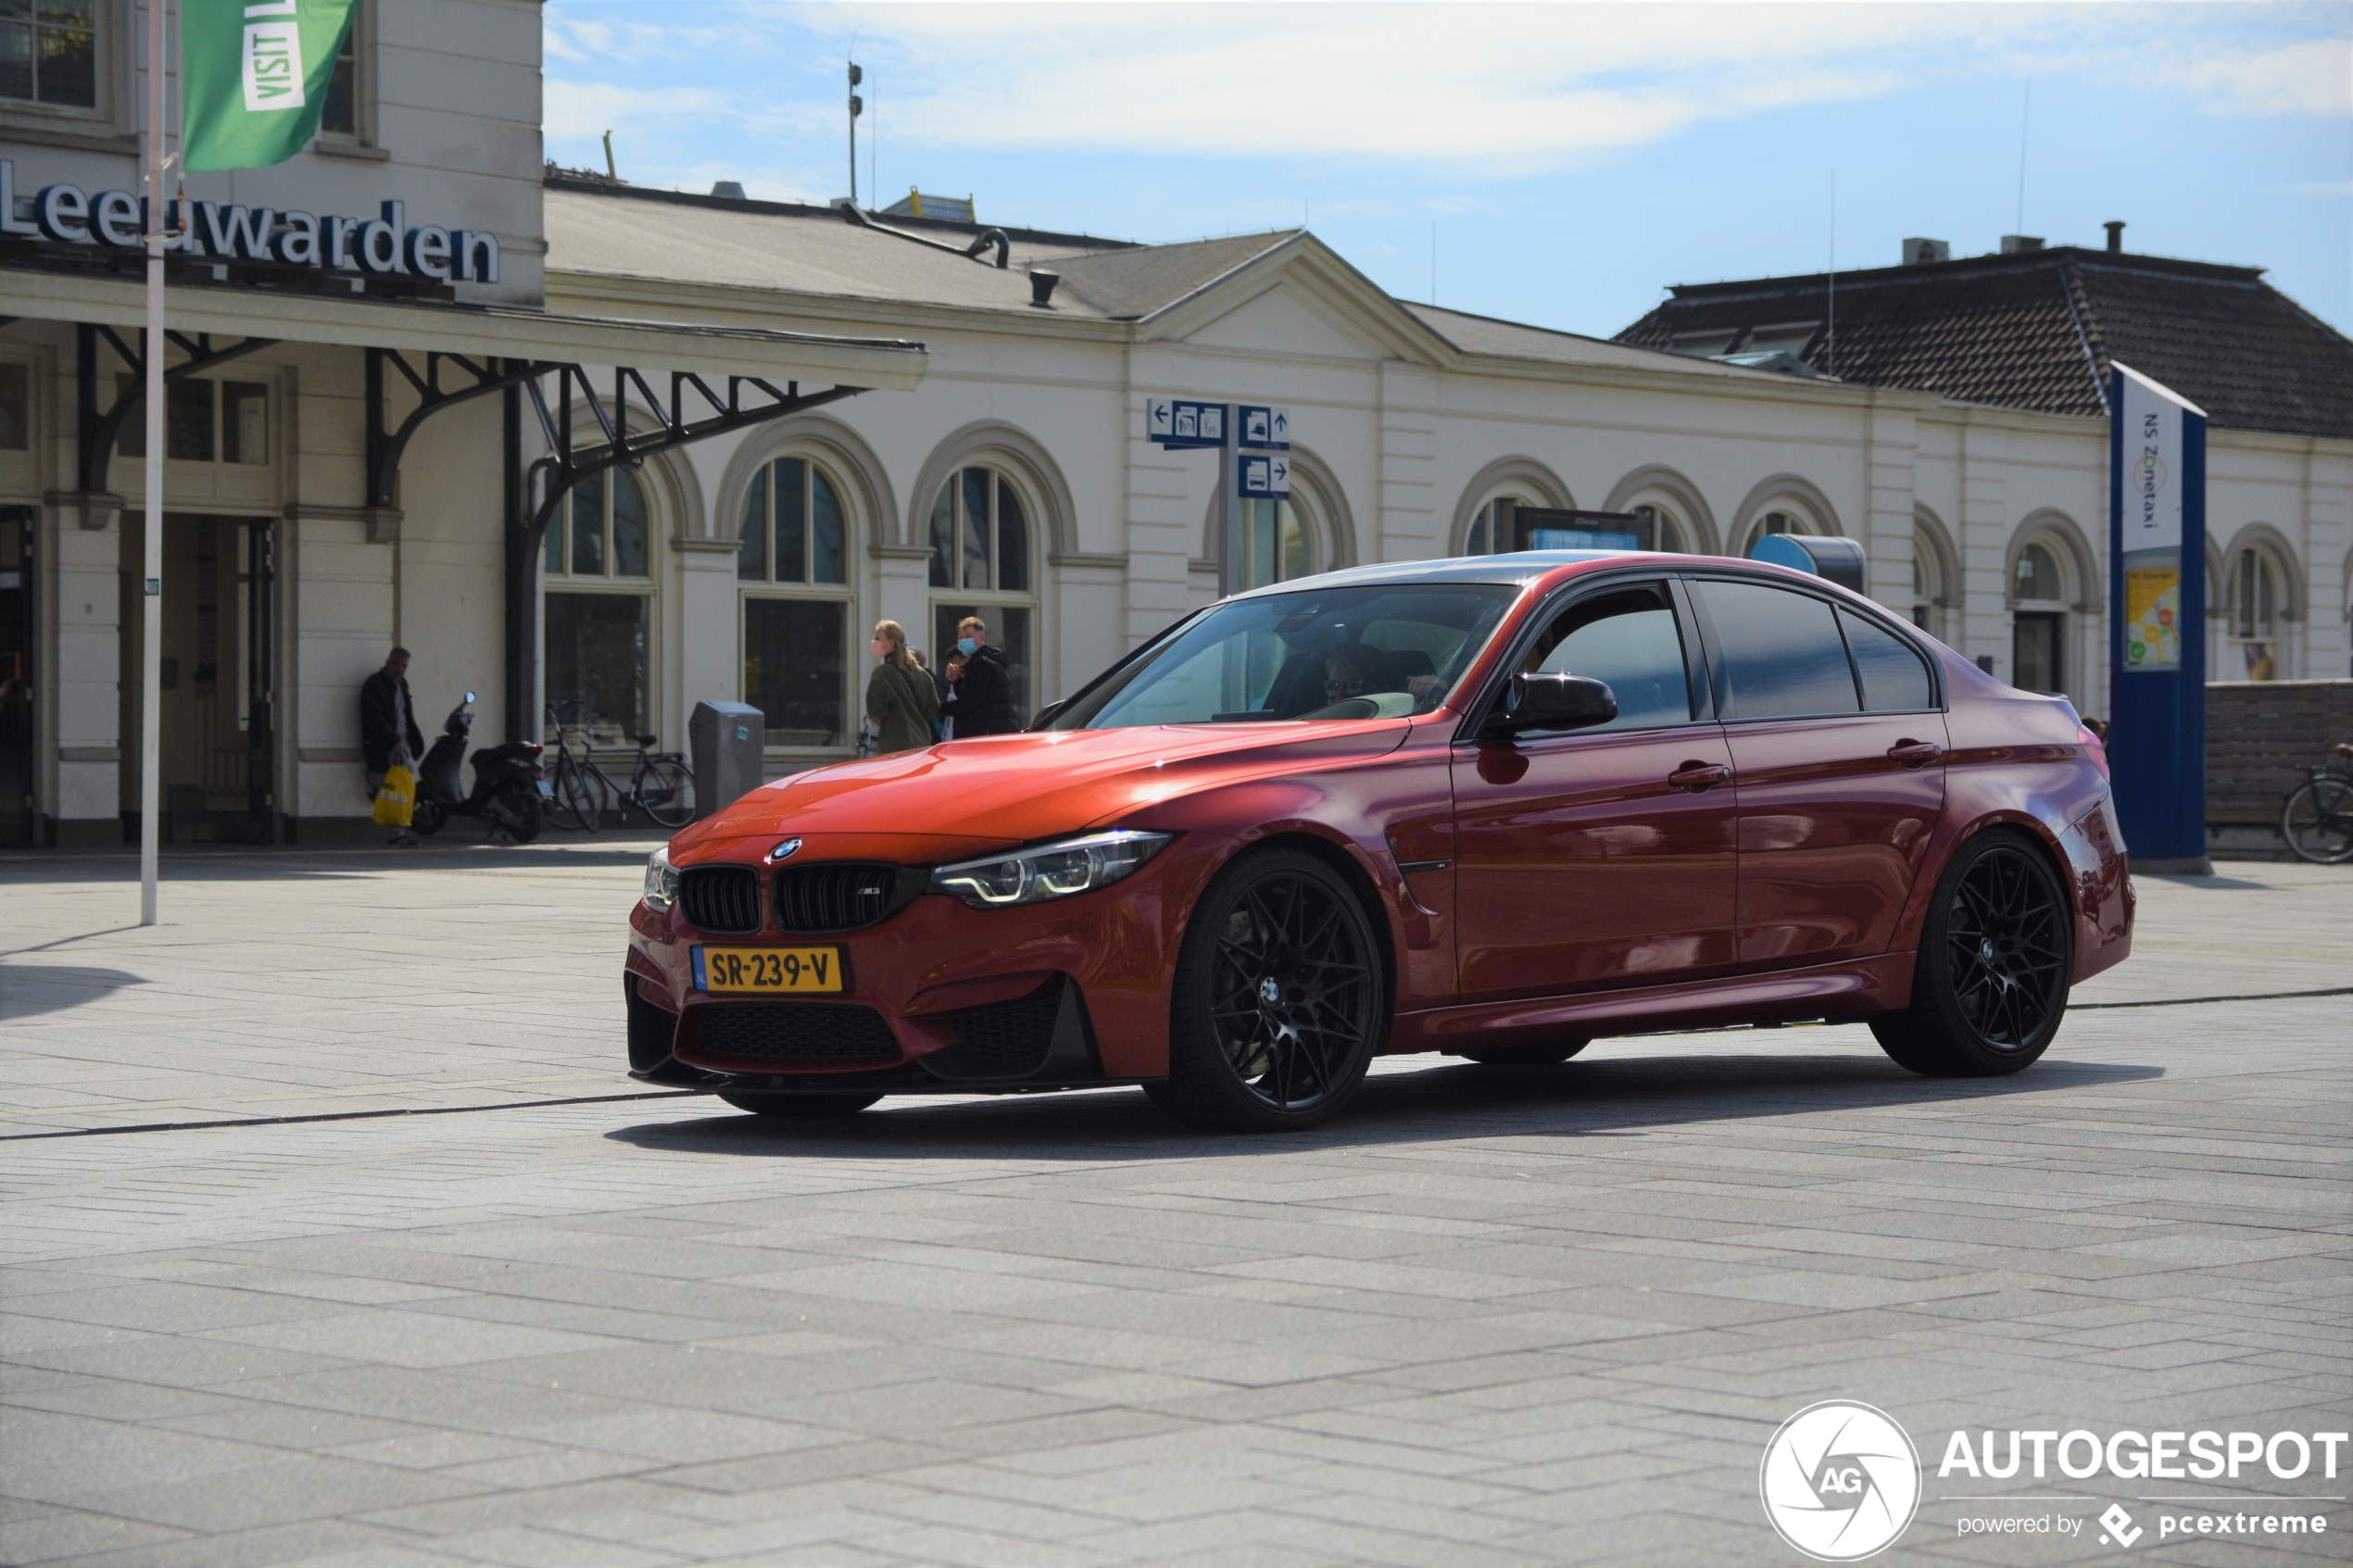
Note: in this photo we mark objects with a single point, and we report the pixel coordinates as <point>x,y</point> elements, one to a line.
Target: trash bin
<point>1841,560</point>
<point>727,740</point>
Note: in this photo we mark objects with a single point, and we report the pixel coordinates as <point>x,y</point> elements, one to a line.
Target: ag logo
<point>1841,1481</point>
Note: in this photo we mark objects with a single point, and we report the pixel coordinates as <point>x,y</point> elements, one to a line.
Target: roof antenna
<point>2025,102</point>
<point>611,172</point>
<point>1829,338</point>
<point>857,107</point>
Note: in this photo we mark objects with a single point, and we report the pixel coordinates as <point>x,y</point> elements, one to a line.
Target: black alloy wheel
<point>1544,1054</point>
<point>797,1107</point>
<point>1990,987</point>
<point>1280,999</point>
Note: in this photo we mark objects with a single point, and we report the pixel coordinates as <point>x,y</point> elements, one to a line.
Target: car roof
<point>1519,568</point>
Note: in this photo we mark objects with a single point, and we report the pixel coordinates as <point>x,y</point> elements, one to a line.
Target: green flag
<point>253,76</point>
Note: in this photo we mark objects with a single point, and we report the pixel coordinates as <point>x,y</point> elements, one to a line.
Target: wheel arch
<point>1341,860</point>
<point>2026,825</point>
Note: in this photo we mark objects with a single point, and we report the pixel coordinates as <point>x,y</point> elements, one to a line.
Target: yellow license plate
<point>767,970</point>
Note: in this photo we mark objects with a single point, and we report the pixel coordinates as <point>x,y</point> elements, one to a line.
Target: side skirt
<point>1840,990</point>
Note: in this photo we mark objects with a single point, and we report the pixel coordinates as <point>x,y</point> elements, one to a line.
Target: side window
<point>1783,657</point>
<point>1894,681</point>
<point>1629,640</point>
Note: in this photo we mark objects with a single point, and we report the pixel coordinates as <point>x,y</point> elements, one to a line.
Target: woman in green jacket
<point>901,699</point>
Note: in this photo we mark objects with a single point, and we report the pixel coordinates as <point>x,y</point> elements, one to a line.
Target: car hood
<point>974,796</point>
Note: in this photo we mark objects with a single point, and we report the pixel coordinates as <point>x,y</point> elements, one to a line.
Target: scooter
<point>508,788</point>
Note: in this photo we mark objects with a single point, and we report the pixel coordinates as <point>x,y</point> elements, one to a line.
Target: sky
<point>1555,164</point>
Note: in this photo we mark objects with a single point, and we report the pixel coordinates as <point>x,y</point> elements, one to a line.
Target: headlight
<point>1049,871</point>
<point>661,881</point>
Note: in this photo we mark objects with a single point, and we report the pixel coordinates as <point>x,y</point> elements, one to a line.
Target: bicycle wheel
<point>573,803</point>
<point>2316,820</point>
<point>668,791</point>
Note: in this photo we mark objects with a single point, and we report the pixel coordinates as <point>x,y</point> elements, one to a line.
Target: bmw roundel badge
<point>783,849</point>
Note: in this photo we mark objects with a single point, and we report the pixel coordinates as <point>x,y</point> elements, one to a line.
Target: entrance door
<point>2034,651</point>
<point>216,724</point>
<point>1605,857</point>
<point>17,824</point>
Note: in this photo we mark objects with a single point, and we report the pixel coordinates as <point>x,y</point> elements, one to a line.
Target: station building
<point>957,426</point>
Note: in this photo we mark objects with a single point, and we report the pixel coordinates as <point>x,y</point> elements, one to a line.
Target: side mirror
<point>1554,702</point>
<point>1045,715</point>
<point>470,697</point>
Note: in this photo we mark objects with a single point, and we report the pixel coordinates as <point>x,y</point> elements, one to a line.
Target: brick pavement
<point>1488,1317</point>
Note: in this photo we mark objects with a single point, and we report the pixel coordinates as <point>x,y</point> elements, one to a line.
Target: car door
<point>1838,742</point>
<point>1607,856</point>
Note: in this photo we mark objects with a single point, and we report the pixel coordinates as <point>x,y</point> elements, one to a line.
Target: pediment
<point>1282,319</point>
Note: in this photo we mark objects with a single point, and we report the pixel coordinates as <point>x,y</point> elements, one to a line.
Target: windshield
<point>1327,655</point>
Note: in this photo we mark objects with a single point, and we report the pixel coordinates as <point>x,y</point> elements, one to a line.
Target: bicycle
<point>580,791</point>
<point>2317,817</point>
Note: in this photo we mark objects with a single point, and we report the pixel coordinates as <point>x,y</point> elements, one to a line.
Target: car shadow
<point>1441,1101</point>
<point>28,990</point>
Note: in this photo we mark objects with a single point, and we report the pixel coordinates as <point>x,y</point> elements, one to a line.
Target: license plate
<point>767,970</point>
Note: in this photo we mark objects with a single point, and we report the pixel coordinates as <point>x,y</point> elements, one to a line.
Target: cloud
<point>1491,89</point>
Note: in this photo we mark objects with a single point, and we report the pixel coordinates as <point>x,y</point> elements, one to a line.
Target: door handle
<point>1698,776</point>
<point>1915,753</point>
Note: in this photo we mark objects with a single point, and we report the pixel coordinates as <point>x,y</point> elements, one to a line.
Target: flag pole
<point>151,601</point>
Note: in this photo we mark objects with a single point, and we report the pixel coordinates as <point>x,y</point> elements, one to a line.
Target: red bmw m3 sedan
<point>1494,808</point>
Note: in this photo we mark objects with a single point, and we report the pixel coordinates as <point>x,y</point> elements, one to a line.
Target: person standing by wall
<point>985,690</point>
<point>388,732</point>
<point>900,700</point>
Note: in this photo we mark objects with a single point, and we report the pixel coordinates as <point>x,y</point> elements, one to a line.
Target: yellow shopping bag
<point>396,799</point>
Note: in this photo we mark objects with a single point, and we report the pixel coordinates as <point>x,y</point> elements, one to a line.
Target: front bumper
<point>939,997</point>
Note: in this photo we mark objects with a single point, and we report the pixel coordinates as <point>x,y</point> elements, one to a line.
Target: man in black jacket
<point>388,732</point>
<point>984,703</point>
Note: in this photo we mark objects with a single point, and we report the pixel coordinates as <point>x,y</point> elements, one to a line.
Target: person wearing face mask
<point>984,701</point>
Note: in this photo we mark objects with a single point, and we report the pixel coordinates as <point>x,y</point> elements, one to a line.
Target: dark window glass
<point>49,52</point>
<point>976,529</point>
<point>1783,655</point>
<point>1629,641</point>
<point>628,525</point>
<point>792,530</point>
<point>16,409</point>
<point>825,531</point>
<point>1894,681</point>
<point>943,536</point>
<point>793,668</point>
<point>2035,652</point>
<point>588,527</point>
<point>244,422</point>
<point>1012,542</point>
<point>751,562</point>
<point>595,663</point>
<point>16,60</point>
<point>340,115</point>
<point>187,418</point>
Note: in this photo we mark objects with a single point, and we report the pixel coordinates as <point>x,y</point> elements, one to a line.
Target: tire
<point>569,804</point>
<point>428,818</point>
<point>1989,990</point>
<point>669,794</point>
<point>797,1108</point>
<point>2316,820</point>
<point>1240,1061</point>
<point>1544,1055</point>
<point>522,805</point>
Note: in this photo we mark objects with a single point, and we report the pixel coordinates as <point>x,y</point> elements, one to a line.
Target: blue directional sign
<point>1264,476</point>
<point>1263,427</point>
<point>1185,421</point>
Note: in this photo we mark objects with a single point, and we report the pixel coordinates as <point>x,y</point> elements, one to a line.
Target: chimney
<point>2018,245</point>
<point>1922,253</point>
<point>1041,288</point>
<point>2115,227</point>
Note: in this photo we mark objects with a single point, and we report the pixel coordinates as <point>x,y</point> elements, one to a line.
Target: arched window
<point>2038,626</point>
<point>1665,528</point>
<point>1490,530</point>
<point>2255,602</point>
<point>982,565</point>
<point>1785,518</point>
<point>798,608</point>
<point>598,590</point>
<point>1279,541</point>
